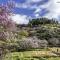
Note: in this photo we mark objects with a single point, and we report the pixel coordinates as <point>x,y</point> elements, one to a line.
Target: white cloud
<point>53,8</point>
<point>36,15</point>
<point>28,4</point>
<point>37,10</point>
<point>33,1</point>
<point>36,0</point>
<point>22,5</point>
<point>20,19</point>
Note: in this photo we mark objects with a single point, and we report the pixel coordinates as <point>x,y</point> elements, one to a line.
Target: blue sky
<point>26,9</point>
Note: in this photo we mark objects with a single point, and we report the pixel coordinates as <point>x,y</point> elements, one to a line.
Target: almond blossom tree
<point>7,26</point>
<point>6,23</point>
<point>5,20</point>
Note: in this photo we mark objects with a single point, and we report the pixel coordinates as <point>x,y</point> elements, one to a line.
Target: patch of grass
<point>33,55</point>
<point>54,58</point>
<point>29,55</point>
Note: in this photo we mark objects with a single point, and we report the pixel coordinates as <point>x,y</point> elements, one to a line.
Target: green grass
<point>37,54</point>
<point>31,55</point>
<point>27,56</point>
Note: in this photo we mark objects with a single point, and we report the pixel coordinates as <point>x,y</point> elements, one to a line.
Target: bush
<point>54,41</point>
<point>22,34</point>
<point>44,33</point>
<point>29,43</point>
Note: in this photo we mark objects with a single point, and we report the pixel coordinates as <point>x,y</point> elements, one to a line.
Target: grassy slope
<point>32,55</point>
<point>35,55</point>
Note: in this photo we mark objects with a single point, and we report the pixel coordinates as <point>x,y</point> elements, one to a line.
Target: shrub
<point>22,34</point>
<point>44,33</point>
<point>29,43</point>
<point>54,41</point>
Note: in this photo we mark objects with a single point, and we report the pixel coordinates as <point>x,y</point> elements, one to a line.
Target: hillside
<point>39,35</point>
